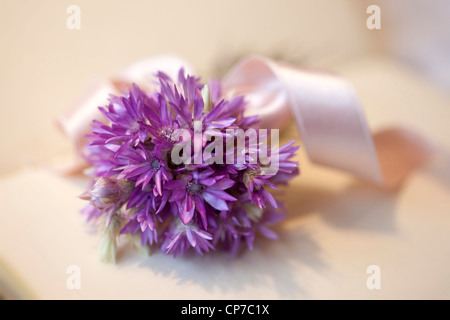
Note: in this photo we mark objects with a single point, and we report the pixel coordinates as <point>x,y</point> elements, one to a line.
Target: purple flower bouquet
<point>183,169</point>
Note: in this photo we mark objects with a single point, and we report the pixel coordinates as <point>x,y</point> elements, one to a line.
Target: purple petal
<point>191,237</point>
<point>142,136</point>
<point>198,105</point>
<point>164,199</point>
<point>200,205</point>
<point>187,210</point>
<point>270,198</point>
<point>222,123</point>
<point>223,184</point>
<point>204,234</point>
<point>268,233</point>
<point>177,195</point>
<point>176,184</point>
<point>208,182</point>
<point>204,174</point>
<point>214,112</point>
<point>219,194</point>
<point>172,243</point>
<point>131,227</point>
<point>133,170</point>
<point>158,182</point>
<point>145,179</point>
<point>215,202</point>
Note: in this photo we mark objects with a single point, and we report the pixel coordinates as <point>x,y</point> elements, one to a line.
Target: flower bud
<point>107,192</point>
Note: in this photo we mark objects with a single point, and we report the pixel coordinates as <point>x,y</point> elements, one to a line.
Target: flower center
<point>167,134</point>
<point>195,188</point>
<point>135,127</point>
<point>154,164</point>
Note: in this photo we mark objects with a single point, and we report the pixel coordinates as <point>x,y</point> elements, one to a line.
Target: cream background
<point>336,227</point>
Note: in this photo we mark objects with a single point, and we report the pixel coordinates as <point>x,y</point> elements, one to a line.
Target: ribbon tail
<point>330,120</point>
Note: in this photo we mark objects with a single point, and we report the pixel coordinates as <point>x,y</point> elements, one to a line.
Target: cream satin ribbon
<point>326,108</point>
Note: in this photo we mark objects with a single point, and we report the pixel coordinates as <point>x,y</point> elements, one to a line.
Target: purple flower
<point>201,206</point>
<point>193,190</point>
<point>146,166</point>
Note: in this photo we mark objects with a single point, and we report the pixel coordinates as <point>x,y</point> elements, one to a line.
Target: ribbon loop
<point>326,108</point>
